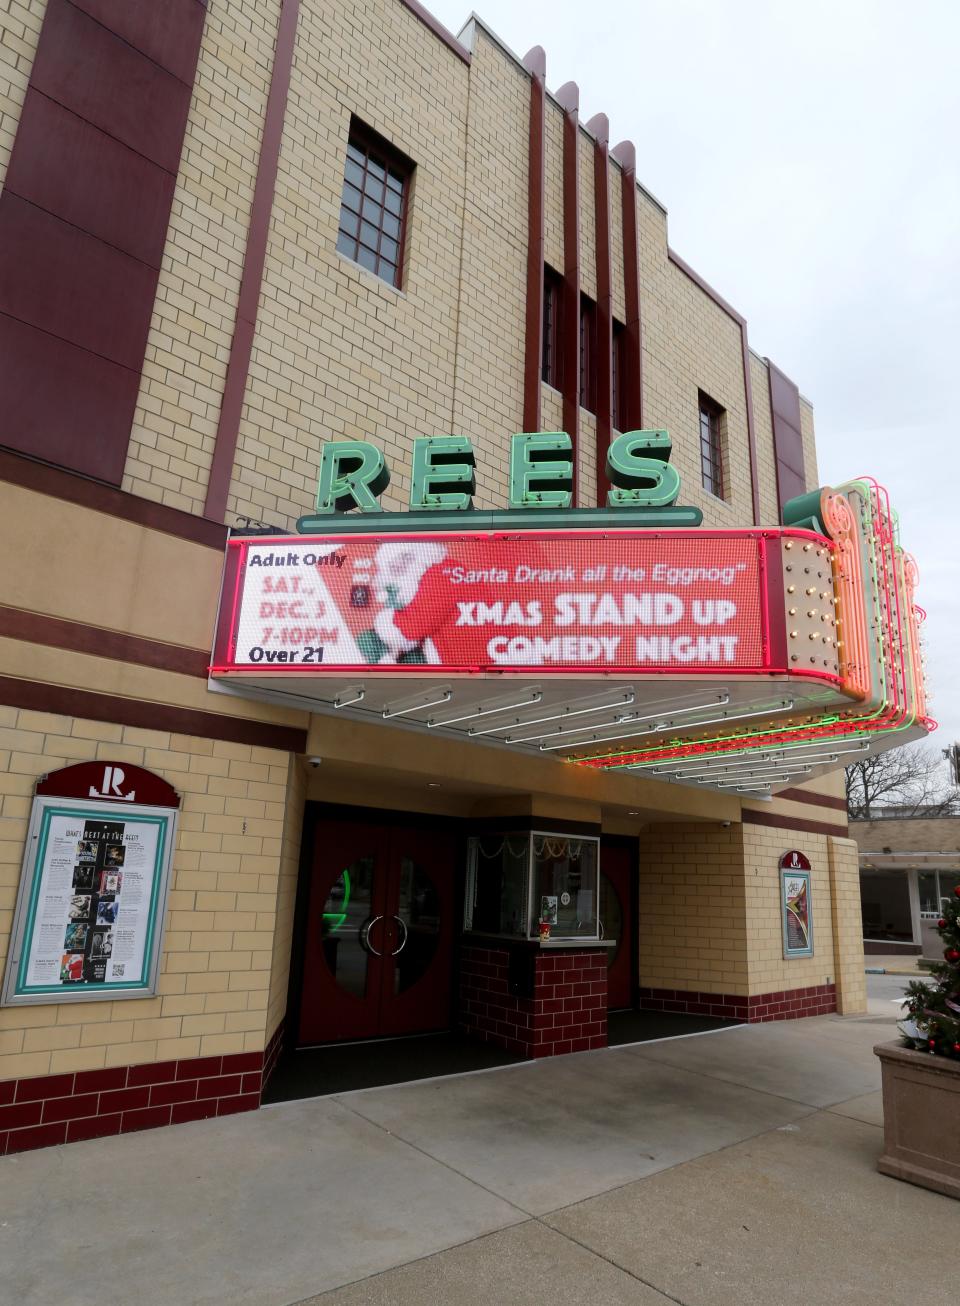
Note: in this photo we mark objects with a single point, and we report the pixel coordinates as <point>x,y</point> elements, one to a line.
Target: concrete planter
<point>921,1118</point>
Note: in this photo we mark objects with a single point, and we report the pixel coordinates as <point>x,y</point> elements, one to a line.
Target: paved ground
<point>734,1168</point>
<point>897,964</point>
<point>885,993</point>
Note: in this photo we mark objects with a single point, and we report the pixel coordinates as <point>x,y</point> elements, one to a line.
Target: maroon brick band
<point>568,97</point>
<point>632,382</point>
<point>785,1004</point>
<point>50,1109</point>
<point>238,365</point>
<point>600,128</point>
<point>536,64</point>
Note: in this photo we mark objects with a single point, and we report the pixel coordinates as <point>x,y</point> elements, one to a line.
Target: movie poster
<point>88,918</point>
<point>796,909</point>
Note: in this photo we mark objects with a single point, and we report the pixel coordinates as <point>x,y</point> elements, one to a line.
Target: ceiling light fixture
<point>628,718</point>
<point>654,730</point>
<point>488,708</point>
<point>624,699</point>
<point>358,692</point>
<point>416,704</point>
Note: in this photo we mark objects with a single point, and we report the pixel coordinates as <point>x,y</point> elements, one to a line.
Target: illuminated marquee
<point>736,659</point>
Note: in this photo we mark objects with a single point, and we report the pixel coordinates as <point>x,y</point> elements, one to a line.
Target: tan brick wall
<point>709,911</point>
<point>908,834</point>
<point>286,894</point>
<point>193,317</point>
<point>769,970</point>
<point>847,923</point>
<point>810,469</point>
<point>20,23</point>
<point>223,906</point>
<point>488,405</point>
<point>554,249</point>
<point>693,912</point>
<point>339,353</point>
<point>763,428</point>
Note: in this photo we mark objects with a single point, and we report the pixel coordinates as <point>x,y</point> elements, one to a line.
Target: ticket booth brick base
<point>535,1002</point>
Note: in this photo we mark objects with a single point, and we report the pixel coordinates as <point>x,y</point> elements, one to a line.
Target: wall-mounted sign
<point>93,889</point>
<point>550,602</point>
<point>644,485</point>
<point>795,905</point>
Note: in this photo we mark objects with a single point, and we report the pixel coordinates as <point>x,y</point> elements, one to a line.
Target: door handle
<point>364,935</point>
<point>600,924</point>
<point>403,942</point>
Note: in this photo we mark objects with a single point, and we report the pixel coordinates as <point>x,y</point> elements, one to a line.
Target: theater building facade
<point>420,608</point>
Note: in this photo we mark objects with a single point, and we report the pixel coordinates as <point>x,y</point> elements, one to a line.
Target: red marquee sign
<point>537,603</point>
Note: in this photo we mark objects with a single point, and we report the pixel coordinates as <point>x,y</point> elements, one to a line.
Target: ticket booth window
<point>516,881</point>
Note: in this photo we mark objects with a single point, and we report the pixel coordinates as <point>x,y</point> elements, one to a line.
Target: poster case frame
<point>31,873</point>
<point>800,873</point>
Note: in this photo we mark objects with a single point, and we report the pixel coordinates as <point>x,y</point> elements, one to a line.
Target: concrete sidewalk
<point>726,1168</point>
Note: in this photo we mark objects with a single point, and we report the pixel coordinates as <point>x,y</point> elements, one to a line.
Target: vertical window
<point>588,354</point>
<point>552,295</point>
<point>619,372</point>
<point>373,205</point>
<point>711,445</point>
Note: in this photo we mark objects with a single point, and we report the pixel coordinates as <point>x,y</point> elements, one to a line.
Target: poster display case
<point>795,905</point>
<point>93,888</point>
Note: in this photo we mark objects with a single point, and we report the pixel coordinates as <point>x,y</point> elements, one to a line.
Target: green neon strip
<point>340,916</point>
<point>502,519</point>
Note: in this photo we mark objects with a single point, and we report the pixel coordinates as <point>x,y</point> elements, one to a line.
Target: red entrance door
<point>616,918</point>
<point>377,960</point>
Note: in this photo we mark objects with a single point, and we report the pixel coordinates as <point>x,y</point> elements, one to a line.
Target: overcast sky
<point>807,155</point>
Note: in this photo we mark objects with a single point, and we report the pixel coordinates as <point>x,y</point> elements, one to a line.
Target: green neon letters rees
<point>639,472</point>
<point>354,473</point>
<point>444,475</point>
<point>541,470</point>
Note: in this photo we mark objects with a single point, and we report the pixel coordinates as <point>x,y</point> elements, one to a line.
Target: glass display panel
<point>419,911</point>
<point>565,885</point>
<point>611,918</point>
<point>929,893</point>
<point>497,893</point>
<point>343,924</point>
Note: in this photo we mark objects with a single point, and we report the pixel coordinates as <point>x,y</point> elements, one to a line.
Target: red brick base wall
<point>788,1004</point>
<point>94,1103</point>
<point>567,1012</point>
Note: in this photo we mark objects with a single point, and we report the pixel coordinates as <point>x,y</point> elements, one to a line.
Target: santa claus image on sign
<point>403,628</point>
<point>430,594</point>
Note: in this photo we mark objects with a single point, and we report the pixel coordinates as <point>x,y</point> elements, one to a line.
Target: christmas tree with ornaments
<point>933,1021</point>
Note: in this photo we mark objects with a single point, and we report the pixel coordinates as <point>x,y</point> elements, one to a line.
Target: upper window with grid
<point>373,206</point>
<point>711,445</point>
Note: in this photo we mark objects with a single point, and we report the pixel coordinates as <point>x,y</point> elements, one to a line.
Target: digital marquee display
<point>545,602</point>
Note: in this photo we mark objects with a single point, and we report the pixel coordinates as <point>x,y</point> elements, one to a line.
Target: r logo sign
<point>112,786</point>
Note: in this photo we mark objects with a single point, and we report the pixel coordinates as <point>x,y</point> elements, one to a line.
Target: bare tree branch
<point>910,781</point>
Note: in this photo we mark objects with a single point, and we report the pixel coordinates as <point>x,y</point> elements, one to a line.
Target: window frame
<point>394,164</point>
<point>588,354</point>
<point>619,370</point>
<point>551,359</point>
<point>712,462</point>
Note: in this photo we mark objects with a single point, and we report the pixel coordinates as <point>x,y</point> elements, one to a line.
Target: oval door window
<point>343,927</point>
<point>611,917</point>
<point>419,913</point>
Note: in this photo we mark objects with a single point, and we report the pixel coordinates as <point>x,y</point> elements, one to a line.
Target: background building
<point>908,865</point>
<point>230,233</point>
